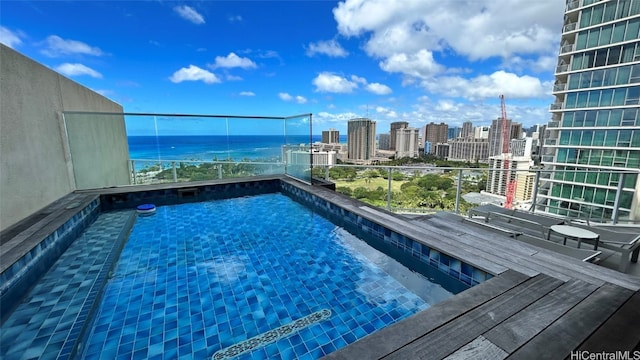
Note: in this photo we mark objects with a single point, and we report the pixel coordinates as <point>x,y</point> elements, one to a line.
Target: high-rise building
<point>361,139</point>
<point>395,126</point>
<point>384,141</point>
<point>496,137</point>
<point>435,134</point>
<point>524,186</point>
<point>481,132</point>
<point>406,143</point>
<point>521,147</point>
<point>331,136</point>
<point>595,119</point>
<point>469,149</point>
<point>509,167</point>
<point>467,130</point>
<point>454,132</point>
<point>516,131</point>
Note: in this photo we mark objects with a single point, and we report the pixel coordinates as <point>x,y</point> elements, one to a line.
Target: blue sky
<point>389,60</point>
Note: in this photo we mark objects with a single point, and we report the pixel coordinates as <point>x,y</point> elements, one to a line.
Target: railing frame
<point>390,169</point>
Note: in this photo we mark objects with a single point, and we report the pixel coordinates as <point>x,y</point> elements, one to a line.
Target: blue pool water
<point>261,277</point>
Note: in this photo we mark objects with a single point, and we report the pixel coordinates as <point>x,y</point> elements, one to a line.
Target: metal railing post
<point>458,191</point>
<point>174,171</point>
<point>219,171</point>
<point>616,202</point>
<point>389,190</point>
<point>133,168</point>
<point>326,172</point>
<point>535,191</point>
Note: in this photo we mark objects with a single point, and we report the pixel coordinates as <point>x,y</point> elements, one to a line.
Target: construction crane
<point>506,137</point>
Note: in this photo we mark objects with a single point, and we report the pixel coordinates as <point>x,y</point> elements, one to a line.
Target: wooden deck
<point>541,304</point>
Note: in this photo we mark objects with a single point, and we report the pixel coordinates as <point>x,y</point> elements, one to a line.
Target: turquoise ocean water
<point>214,147</point>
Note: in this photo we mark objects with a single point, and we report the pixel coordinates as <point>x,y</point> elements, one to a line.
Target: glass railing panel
<point>97,149</point>
<point>297,154</point>
<point>158,148</point>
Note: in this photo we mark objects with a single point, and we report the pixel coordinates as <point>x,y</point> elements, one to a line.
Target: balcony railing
<point>560,87</point>
<point>555,106</point>
<point>566,48</point>
<point>569,27</point>
<point>562,68</point>
<point>426,189</point>
<point>573,5</point>
<point>547,158</point>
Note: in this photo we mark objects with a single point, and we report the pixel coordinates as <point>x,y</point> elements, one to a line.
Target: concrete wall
<point>36,166</point>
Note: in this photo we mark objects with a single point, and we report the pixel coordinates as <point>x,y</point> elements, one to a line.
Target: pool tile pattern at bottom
<point>47,322</point>
<point>197,278</point>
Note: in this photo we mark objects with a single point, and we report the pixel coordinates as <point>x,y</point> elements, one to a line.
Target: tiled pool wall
<point>189,194</point>
<point>385,239</point>
<point>18,278</point>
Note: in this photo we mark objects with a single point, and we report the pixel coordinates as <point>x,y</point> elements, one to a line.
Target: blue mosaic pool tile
<point>212,278</point>
<point>63,297</point>
<point>18,278</point>
<point>375,231</point>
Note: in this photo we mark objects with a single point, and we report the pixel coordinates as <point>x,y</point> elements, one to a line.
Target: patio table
<point>573,232</point>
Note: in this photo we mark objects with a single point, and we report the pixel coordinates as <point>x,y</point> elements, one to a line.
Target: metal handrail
<point>540,190</point>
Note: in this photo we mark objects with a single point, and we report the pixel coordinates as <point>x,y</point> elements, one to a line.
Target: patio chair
<point>624,241</point>
<point>586,255</point>
<point>535,223</point>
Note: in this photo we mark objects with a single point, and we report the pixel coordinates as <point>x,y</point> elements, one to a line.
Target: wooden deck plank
<point>512,257</point>
<point>545,261</point>
<point>517,330</point>
<point>499,248</point>
<point>450,337</point>
<point>443,243</point>
<point>567,333</point>
<point>479,349</point>
<point>389,339</point>
<point>610,336</point>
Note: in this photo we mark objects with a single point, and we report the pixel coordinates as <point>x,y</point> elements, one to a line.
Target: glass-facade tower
<point>594,132</point>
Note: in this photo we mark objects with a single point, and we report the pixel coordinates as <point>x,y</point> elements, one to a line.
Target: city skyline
<point>414,61</point>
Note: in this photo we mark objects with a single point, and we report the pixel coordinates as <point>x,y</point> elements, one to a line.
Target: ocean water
<point>213,147</point>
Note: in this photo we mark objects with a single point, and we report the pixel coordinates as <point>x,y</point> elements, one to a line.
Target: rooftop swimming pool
<point>248,277</point>
<point>197,279</point>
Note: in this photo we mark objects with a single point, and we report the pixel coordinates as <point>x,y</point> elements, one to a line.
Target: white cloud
<point>190,14</point>
<point>386,112</point>
<point>358,79</point>
<point>69,69</point>
<point>247,93</point>
<point>476,28</point>
<point>420,65</point>
<point>378,89</point>
<point>230,77</point>
<point>232,60</point>
<point>446,105</point>
<point>540,64</point>
<point>194,73</point>
<point>329,47</point>
<point>328,82</point>
<point>409,37</point>
<point>235,18</point>
<point>287,97</point>
<point>57,46</point>
<point>490,86</point>
<point>9,38</point>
